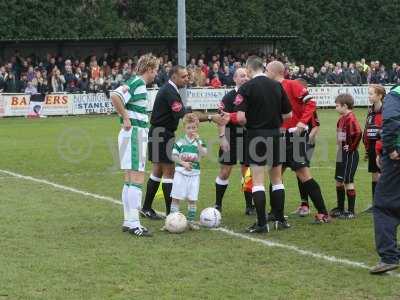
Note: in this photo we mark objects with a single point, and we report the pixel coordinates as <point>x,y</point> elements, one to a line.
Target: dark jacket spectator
<point>322,77</point>
<point>374,76</point>
<point>310,76</point>
<point>12,85</point>
<point>383,76</point>
<point>392,74</point>
<point>70,80</point>
<point>227,77</point>
<point>352,76</point>
<point>336,77</point>
<point>83,83</point>
<point>162,76</point>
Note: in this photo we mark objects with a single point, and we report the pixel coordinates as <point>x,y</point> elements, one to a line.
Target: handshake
<point>222,118</point>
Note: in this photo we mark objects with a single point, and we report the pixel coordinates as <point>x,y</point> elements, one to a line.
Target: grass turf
<point>61,245</point>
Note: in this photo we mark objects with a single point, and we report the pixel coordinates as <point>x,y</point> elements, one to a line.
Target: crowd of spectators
<point>98,74</point>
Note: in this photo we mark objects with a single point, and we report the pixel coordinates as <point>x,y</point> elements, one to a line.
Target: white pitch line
<point>267,243</point>
<point>61,187</point>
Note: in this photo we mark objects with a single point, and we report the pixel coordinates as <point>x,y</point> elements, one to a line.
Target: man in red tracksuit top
<point>296,135</point>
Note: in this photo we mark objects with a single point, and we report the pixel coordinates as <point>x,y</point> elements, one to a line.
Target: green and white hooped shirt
<point>133,94</point>
<point>188,150</point>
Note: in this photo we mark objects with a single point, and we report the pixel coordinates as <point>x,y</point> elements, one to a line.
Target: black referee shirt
<point>227,104</point>
<point>264,101</point>
<point>232,131</point>
<point>168,108</point>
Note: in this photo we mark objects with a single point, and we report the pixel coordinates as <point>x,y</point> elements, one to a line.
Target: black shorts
<point>263,147</point>
<point>237,143</point>
<point>161,142</point>
<point>372,166</point>
<point>310,152</point>
<point>296,151</point>
<point>346,166</point>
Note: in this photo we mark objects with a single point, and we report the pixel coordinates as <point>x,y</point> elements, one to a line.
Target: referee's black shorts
<point>372,166</point>
<point>263,147</point>
<point>296,151</point>
<point>346,166</point>
<point>161,142</point>
<point>236,137</point>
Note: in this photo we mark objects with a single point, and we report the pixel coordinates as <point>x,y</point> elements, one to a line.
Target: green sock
<point>191,212</point>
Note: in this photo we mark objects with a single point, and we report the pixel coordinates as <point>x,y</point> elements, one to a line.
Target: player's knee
<point>157,170</point>
<point>136,177</point>
<point>225,172</point>
<point>304,174</point>
<point>168,170</point>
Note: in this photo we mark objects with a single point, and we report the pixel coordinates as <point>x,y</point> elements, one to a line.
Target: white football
<point>176,222</point>
<point>210,217</point>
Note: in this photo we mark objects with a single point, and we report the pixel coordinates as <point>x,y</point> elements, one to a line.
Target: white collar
<point>173,84</point>
<point>259,74</point>
<point>188,139</point>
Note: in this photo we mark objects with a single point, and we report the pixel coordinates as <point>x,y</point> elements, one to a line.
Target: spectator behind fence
<point>94,70</point>
<point>23,83</point>
<point>310,76</point>
<point>115,79</point>
<point>227,77</point>
<point>30,88</point>
<point>70,80</point>
<point>12,85</point>
<point>3,77</point>
<point>57,81</point>
<point>214,76</point>
<point>322,77</point>
<point>352,76</point>
<point>392,74</point>
<point>83,84</point>
<point>199,77</point>
<point>67,74</point>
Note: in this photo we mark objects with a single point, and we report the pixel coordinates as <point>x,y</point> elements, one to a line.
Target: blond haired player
<point>131,102</point>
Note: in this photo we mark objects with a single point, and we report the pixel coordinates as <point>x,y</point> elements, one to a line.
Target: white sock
<point>134,203</point>
<point>125,203</point>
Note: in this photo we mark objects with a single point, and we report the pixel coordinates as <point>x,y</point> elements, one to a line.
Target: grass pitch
<point>61,245</point>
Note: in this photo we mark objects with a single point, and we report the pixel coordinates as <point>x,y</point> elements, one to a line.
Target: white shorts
<point>132,147</point>
<point>185,187</point>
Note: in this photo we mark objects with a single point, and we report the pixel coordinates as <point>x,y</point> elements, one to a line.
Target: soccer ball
<point>176,222</point>
<point>210,217</point>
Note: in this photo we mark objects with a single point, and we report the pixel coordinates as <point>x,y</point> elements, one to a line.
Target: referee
<point>167,110</point>
<point>261,105</point>
<point>232,146</point>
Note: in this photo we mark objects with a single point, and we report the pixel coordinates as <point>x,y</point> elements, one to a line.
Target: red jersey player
<point>372,131</point>
<point>313,130</point>
<point>348,139</point>
<point>296,135</point>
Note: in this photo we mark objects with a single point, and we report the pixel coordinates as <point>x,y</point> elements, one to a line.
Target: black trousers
<point>387,211</point>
